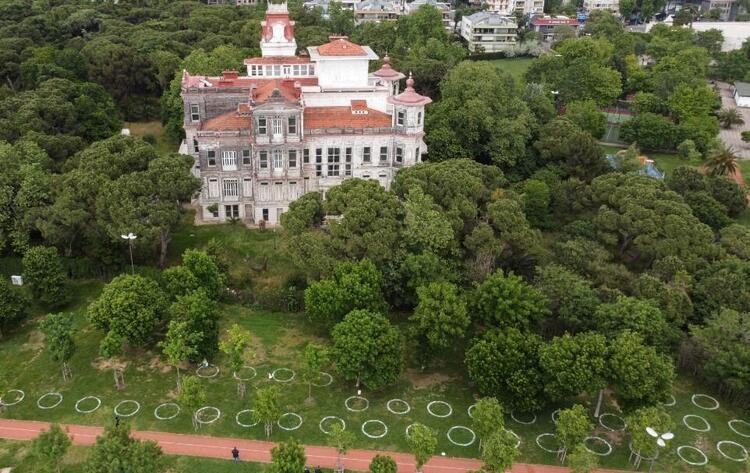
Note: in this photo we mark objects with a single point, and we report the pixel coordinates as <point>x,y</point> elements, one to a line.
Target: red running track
<point>258,451</point>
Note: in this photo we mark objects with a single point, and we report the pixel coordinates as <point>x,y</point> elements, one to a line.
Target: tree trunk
<point>164,240</point>
<point>178,378</point>
<point>269,428</point>
<point>599,403</point>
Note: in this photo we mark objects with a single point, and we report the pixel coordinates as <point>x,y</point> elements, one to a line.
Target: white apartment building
<point>297,124</point>
<point>508,7</point>
<point>489,32</point>
<point>611,5</point>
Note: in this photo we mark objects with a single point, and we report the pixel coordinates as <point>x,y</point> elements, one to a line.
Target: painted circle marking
<point>324,419</point>
<point>127,401</point>
<point>554,415</point>
<point>524,422</point>
<point>464,428</point>
<point>518,444</point>
<point>398,413</point>
<point>283,370</point>
<point>43,396</point>
<point>201,371</point>
<point>612,429</point>
<point>734,429</point>
<point>695,398</point>
<point>166,404</point>
<point>594,452</point>
<point>245,367</point>
<point>545,435</point>
<point>442,403</point>
<point>681,448</point>
<point>199,412</point>
<point>328,383</point>
<point>290,414</point>
<point>374,421</point>
<point>20,395</point>
<point>733,444</point>
<point>672,402</point>
<point>408,427</point>
<point>88,411</point>
<point>248,411</point>
<point>351,409</point>
<point>693,416</point>
<point>470,410</point>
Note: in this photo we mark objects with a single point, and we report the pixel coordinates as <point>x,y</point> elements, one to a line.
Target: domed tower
<point>408,109</point>
<point>388,75</point>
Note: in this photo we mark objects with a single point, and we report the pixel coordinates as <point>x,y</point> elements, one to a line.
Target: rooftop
<point>346,117</point>
<point>743,88</point>
<point>491,18</point>
<point>553,20</point>
<point>340,46</point>
<point>229,121</point>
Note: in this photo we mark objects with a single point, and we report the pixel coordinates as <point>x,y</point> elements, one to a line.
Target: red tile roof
<point>341,46</point>
<point>342,117</point>
<point>542,21</point>
<point>278,60</point>
<point>229,121</point>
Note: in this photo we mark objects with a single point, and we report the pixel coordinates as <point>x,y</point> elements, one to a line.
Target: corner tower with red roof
<point>296,124</point>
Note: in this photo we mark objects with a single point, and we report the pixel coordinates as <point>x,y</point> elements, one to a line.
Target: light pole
<point>130,237</point>
<point>660,442</point>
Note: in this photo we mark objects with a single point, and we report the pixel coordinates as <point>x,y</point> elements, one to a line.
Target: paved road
<point>258,451</point>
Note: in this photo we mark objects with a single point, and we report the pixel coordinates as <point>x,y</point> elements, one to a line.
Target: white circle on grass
<point>612,429</point>
<point>681,448</point>
<point>129,414</point>
<point>290,414</point>
<point>554,415</point>
<point>248,411</point>
<point>201,371</point>
<point>245,367</point>
<point>406,405</point>
<point>733,444</point>
<point>84,399</point>
<point>442,403</point>
<point>199,412</point>
<point>470,410</point>
<point>327,383</point>
<point>518,443</point>
<point>524,422</point>
<point>408,427</point>
<point>374,421</point>
<point>734,429</point>
<point>693,416</point>
<point>672,402</point>
<point>20,395</point>
<point>695,398</point>
<point>324,419</point>
<point>166,404</point>
<point>351,409</point>
<point>283,370</point>
<point>548,450</point>
<point>50,394</point>
<point>464,428</point>
<point>600,440</point>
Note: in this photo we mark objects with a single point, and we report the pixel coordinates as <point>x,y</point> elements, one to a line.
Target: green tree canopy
<point>288,457</point>
<point>573,365</point>
<point>44,273</point>
<point>441,317</point>
<point>507,301</point>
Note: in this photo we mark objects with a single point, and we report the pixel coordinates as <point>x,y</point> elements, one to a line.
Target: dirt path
<point>258,451</point>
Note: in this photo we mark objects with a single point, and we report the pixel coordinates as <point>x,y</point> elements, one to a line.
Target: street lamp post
<point>130,237</point>
<point>660,442</point>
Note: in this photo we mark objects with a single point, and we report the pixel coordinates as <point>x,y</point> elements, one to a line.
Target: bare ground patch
<point>290,343</point>
<point>422,380</point>
<point>258,350</point>
<point>106,364</point>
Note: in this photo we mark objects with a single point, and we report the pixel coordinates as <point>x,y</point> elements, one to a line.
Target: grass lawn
<point>515,66</point>
<point>155,129</point>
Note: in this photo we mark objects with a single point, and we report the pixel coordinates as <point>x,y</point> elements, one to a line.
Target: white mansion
<point>297,124</point>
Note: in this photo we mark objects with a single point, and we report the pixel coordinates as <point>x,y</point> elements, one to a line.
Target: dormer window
<point>400,116</point>
<point>262,126</point>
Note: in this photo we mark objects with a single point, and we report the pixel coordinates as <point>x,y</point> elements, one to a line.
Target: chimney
<point>229,75</point>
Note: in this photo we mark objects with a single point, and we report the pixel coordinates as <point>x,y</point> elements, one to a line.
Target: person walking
<point>318,470</point>
<point>235,454</point>
<point>307,469</point>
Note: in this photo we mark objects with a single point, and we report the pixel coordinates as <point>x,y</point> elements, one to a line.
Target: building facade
<point>296,124</point>
<point>611,5</point>
<point>509,7</point>
<point>489,32</point>
<point>545,25</point>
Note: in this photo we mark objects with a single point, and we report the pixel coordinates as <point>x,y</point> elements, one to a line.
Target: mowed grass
<point>515,66</point>
<point>664,161</point>
<point>141,129</point>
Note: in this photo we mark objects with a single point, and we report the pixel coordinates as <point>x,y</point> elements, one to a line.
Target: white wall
<point>376,99</point>
<point>742,101</point>
<point>343,73</point>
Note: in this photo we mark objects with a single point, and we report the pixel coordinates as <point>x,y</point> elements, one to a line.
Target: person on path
<point>236,454</point>
<point>318,470</point>
<point>117,421</point>
<point>307,469</point>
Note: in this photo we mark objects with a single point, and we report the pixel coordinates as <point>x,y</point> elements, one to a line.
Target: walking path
<point>258,451</point>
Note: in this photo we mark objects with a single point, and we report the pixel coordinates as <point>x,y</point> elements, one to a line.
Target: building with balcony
<point>296,124</point>
<point>449,14</point>
<point>611,5</point>
<point>545,25</point>
<point>376,10</point>
<point>509,7</point>
<point>489,32</point>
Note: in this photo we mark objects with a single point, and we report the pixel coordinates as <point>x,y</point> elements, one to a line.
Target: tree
<point>441,317</point>
<point>573,365</point>
<point>303,214</point>
<point>58,330</point>
<point>235,347</point>
<point>353,286</point>
<point>505,364</point>
<point>422,442</point>
<point>721,160</point>
<point>587,116</point>
<point>206,271</point>
<point>536,200</point>
<point>49,449</point>
<point>383,464</point>
<point>368,349</point>
<point>313,359</point>
<point>571,298</point>
<point>729,117</point>
<point>507,301</point>
<point>573,425</point>
<point>708,210</point>
<point>578,153</point>
<point>582,461</point>
<point>650,131</point>
<point>499,452</point>
<point>639,375</point>
<point>342,441</point>
<point>117,451</point>
<point>729,193</point>
<point>288,457</point>
<point>130,307</point>
<point>192,396</point>
<point>14,305</point>
<point>686,179</point>
<point>426,226</point>
<point>201,315</point>
<point>179,345</point>
<point>688,101</point>
<point>636,315</point>
<point>267,408</point>
<point>44,273</point>
<point>487,418</point>
<point>652,416</point>
<point>735,239</point>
